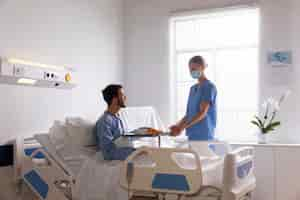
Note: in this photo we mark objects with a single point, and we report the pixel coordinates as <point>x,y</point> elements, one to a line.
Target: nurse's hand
<point>175,130</point>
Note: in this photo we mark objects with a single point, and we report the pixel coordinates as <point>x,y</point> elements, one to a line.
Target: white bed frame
<point>238,178</point>
<point>58,182</point>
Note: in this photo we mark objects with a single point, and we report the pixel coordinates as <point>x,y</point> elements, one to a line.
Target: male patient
<point>109,127</point>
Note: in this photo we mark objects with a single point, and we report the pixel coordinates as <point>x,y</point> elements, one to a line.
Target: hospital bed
<point>58,177</point>
<point>77,172</point>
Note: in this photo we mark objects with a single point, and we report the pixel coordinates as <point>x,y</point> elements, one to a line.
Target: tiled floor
<point>8,188</point>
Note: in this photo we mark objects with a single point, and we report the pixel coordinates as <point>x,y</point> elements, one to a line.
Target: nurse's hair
<point>197,60</point>
<point>110,92</point>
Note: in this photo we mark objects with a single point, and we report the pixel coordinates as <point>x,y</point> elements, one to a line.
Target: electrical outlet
<point>46,75</point>
<point>50,76</point>
<point>18,70</point>
<point>54,76</point>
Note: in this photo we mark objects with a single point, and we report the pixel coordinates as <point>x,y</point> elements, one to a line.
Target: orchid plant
<point>271,106</point>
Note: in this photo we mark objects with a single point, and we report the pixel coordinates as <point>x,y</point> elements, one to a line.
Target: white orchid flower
<point>276,106</point>
<point>288,93</point>
<point>284,96</point>
<point>273,105</point>
<point>271,101</point>
<point>267,106</point>
<point>264,105</point>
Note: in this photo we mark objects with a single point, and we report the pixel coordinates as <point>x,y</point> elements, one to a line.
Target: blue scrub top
<point>205,129</point>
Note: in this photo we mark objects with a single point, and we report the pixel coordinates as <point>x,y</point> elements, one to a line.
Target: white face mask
<point>196,74</point>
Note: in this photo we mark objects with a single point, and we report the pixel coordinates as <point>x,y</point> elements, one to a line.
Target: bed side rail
<point>23,147</point>
<point>238,176</point>
<point>47,180</point>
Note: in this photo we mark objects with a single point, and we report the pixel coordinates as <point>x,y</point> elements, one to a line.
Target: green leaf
<point>267,130</point>
<point>259,121</point>
<point>264,131</point>
<point>255,123</point>
<point>272,126</point>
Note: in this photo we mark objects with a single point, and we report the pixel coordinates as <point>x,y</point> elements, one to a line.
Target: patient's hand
<point>175,130</point>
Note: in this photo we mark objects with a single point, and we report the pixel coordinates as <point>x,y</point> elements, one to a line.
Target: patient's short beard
<point>122,104</point>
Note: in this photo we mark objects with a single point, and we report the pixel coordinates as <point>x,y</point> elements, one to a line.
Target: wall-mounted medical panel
<point>20,72</point>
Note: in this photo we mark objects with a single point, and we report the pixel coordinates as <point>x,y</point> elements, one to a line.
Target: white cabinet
<point>287,173</point>
<point>264,173</point>
<point>277,171</point>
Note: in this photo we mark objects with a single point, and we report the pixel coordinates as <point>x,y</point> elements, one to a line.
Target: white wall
<point>147,76</point>
<point>86,35</point>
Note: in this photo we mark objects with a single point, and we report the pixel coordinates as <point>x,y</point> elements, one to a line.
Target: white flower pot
<point>261,138</point>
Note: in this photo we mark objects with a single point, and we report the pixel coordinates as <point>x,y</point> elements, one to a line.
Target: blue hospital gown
<point>109,127</point>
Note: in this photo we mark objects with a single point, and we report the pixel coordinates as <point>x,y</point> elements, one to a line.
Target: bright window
<point>228,40</point>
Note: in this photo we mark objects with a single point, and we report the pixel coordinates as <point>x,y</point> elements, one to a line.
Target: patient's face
<point>121,98</point>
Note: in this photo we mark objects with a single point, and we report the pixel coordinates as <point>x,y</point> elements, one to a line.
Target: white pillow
<point>80,131</point>
<point>58,134</point>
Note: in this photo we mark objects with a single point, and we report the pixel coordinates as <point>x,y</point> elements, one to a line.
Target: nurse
<point>201,116</point>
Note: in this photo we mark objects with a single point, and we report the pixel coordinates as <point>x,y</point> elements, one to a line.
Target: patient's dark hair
<point>197,60</point>
<point>110,92</point>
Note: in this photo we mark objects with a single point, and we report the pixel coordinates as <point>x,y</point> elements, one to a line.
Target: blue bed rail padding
<point>244,169</point>
<point>37,183</point>
<point>170,182</point>
<point>29,151</point>
<point>212,147</point>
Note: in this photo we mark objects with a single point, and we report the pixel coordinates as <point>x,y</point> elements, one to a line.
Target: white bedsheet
<point>75,158</point>
<point>99,179</point>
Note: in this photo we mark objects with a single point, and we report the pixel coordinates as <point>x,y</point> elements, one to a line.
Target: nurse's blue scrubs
<point>205,129</point>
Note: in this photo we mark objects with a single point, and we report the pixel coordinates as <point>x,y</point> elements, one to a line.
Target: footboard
<point>238,177</point>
